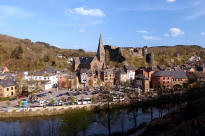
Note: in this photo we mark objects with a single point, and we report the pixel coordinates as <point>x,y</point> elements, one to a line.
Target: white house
<point>84,77</point>
<point>130,72</point>
<point>194,58</point>
<point>49,79</point>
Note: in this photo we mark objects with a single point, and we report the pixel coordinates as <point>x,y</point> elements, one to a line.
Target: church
<point>96,63</point>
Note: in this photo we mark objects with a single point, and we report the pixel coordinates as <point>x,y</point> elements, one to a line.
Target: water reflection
<point>81,123</point>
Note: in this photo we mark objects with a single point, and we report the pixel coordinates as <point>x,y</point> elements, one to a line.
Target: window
<point>7,89</point>
<point>12,88</point>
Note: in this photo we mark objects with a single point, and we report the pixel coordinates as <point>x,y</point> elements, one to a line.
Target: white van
<point>84,101</point>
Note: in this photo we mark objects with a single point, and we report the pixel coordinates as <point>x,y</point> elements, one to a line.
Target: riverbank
<point>42,111</point>
<point>189,121</point>
<point>55,110</point>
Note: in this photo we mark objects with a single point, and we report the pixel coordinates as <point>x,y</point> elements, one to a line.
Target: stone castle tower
<point>101,52</point>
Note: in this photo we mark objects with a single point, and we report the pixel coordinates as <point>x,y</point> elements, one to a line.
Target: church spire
<point>101,51</point>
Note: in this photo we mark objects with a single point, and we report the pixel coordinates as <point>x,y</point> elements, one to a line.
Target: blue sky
<point>77,24</point>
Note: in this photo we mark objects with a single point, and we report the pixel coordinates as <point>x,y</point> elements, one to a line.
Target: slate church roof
<point>174,74</point>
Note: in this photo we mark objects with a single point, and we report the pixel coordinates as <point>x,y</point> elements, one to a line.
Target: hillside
<point>23,54</point>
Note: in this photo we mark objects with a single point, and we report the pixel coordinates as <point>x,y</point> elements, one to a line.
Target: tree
<point>107,116</point>
<point>146,94</point>
<point>17,53</point>
<point>93,99</point>
<point>53,63</point>
<point>90,82</point>
<point>46,58</point>
<point>117,82</point>
<point>76,120</point>
<point>72,99</point>
<point>8,103</point>
<point>53,101</point>
<point>127,83</point>
<point>192,78</point>
<point>99,82</point>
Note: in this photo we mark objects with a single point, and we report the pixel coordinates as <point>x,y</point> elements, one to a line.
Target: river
<point>120,120</point>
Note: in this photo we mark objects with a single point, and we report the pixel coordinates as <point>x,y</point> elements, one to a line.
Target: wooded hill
<point>23,54</point>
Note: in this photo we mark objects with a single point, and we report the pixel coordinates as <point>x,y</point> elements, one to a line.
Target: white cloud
<point>6,11</point>
<point>82,30</point>
<point>203,33</point>
<point>142,31</point>
<point>175,31</point>
<point>171,1</point>
<point>153,38</point>
<point>85,12</point>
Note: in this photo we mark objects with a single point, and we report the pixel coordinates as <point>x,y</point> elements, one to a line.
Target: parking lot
<point>55,97</point>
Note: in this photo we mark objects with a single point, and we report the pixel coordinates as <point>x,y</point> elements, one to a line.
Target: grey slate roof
<point>8,82</point>
<point>173,74</point>
<point>49,70</point>
<point>86,60</point>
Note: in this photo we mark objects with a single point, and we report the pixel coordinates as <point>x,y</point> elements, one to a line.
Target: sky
<point>74,24</point>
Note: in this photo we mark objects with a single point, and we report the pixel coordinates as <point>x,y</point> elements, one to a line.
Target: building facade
<point>8,88</point>
<point>168,79</point>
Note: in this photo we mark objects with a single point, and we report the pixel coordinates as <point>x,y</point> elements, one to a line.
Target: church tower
<point>101,52</point>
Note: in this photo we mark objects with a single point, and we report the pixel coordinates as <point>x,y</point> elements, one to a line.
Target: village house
<point>8,87</point>
<point>4,69</point>
<point>107,77</point>
<point>194,58</point>
<point>142,82</point>
<point>70,60</point>
<point>60,56</point>
<point>168,79</point>
<point>120,76</point>
<point>89,78</point>
<point>130,70</point>
<point>48,77</point>
<point>68,80</point>
<point>146,72</point>
<point>83,77</point>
